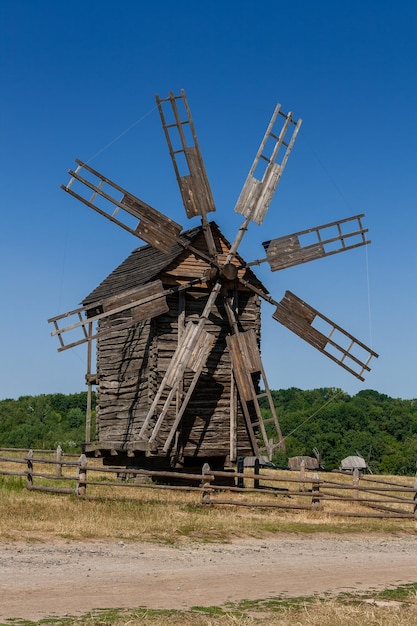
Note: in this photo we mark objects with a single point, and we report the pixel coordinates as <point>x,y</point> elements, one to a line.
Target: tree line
<point>44,421</point>
<point>380,428</point>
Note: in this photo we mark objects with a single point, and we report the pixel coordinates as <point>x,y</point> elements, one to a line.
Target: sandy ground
<point>38,580</point>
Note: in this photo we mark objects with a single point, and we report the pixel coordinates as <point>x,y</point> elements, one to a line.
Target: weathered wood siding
<point>132,362</point>
<point>125,359</point>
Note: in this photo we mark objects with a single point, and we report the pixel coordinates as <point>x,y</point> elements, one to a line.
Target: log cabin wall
<point>132,362</point>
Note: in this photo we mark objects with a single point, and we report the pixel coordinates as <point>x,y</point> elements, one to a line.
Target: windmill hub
<point>229,271</point>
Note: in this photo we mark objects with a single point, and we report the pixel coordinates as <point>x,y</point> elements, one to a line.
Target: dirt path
<point>42,579</point>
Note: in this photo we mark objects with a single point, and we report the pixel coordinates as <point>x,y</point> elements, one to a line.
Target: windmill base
<point>138,459</point>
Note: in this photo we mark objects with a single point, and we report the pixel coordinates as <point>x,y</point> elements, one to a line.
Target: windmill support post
<point>315,491</point>
<point>82,476</point>
<point>240,468</point>
<point>256,473</point>
<point>205,484</point>
<point>302,475</point>
<point>59,461</point>
<point>29,471</point>
<point>356,478</point>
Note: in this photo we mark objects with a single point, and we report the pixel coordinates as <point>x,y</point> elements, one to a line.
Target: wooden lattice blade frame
<point>246,361</point>
<point>334,342</point>
<point>273,153</point>
<point>186,154</point>
<point>315,243</point>
<point>194,348</point>
<point>187,160</point>
<point>150,225</point>
<point>141,303</point>
<point>196,358</point>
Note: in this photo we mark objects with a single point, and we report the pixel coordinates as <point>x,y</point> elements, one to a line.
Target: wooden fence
<point>335,493</point>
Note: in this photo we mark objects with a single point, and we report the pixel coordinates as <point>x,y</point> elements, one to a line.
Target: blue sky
<point>79,80</point>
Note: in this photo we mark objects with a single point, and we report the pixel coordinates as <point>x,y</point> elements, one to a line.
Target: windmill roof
<point>144,265</point>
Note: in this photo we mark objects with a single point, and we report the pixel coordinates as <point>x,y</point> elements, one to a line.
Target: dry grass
<point>162,515</point>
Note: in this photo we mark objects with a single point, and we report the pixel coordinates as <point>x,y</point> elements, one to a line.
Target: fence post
<point>59,461</point>
<point>356,477</point>
<point>82,476</point>
<point>415,497</point>
<point>29,475</point>
<point>256,471</point>
<point>240,469</point>
<point>315,490</point>
<point>302,475</point>
<point>205,484</point>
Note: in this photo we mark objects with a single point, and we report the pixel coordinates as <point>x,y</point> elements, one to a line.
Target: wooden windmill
<point>179,373</point>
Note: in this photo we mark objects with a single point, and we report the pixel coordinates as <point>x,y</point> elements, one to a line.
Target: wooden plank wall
<point>131,363</point>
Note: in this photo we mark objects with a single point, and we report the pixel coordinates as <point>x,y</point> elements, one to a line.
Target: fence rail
<point>334,493</point>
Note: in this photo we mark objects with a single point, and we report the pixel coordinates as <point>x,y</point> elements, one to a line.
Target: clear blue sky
<point>76,76</point>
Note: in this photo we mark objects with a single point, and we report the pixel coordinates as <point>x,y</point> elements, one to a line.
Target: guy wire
<point>338,393</point>
<point>121,134</point>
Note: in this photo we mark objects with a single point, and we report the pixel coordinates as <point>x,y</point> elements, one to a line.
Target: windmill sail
<point>191,353</point>
<point>315,243</point>
<point>273,154</point>
<point>323,334</point>
<point>187,160</point>
<point>140,303</point>
<point>246,360</point>
<point>149,224</point>
<point>185,154</point>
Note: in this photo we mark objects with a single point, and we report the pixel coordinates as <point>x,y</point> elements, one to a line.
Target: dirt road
<point>42,579</point>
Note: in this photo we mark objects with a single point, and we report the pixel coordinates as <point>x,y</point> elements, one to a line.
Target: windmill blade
<point>196,361</point>
<point>326,336</point>
<point>185,154</point>
<point>314,243</point>
<point>148,224</point>
<point>192,353</point>
<point>256,194</point>
<point>193,342</point>
<point>187,161</point>
<point>268,166</point>
<point>246,362</point>
<point>141,303</point>
<point>244,382</point>
<point>323,334</point>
